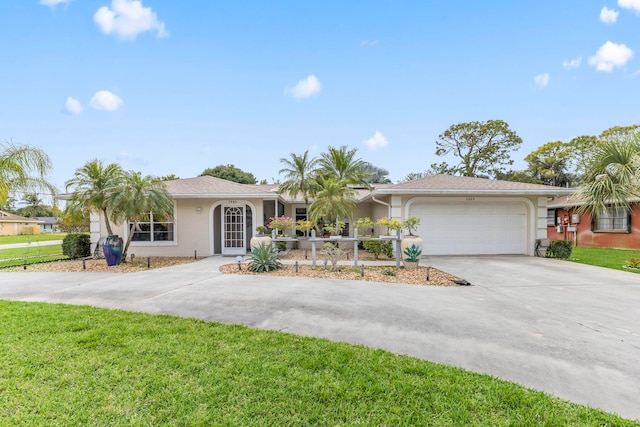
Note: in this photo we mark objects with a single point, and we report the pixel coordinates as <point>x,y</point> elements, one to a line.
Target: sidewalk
<point>31,245</point>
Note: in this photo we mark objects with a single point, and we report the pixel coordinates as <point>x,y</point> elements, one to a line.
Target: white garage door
<point>471,227</point>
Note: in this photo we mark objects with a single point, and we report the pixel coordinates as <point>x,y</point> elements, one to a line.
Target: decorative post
<point>313,247</point>
<point>355,247</point>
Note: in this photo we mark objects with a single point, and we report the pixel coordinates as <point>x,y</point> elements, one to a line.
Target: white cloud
<point>368,42</point>
<point>542,80</point>
<point>611,55</point>
<point>106,101</point>
<point>572,63</point>
<point>128,18</point>
<point>305,88</point>
<point>73,106</point>
<point>132,158</point>
<point>608,16</point>
<point>53,3</point>
<point>630,4</point>
<point>376,141</point>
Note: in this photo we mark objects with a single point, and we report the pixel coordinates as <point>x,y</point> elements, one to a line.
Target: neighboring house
<point>48,224</point>
<point>459,215</point>
<point>13,225</point>
<point>618,228</point>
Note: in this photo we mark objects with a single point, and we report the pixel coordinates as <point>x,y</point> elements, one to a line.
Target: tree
<point>342,164</point>
<point>298,176</point>
<point>23,168</point>
<point>94,186</point>
<point>613,175</point>
<point>376,175</point>
<point>171,177</point>
<point>549,163</point>
<point>482,148</point>
<point>334,201</point>
<point>581,150</point>
<point>33,204</point>
<point>137,197</point>
<point>231,173</point>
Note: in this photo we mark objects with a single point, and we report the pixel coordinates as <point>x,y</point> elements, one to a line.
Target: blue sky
<point>171,87</point>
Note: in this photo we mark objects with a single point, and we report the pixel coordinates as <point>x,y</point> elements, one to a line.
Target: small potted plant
<point>305,226</point>
<point>281,223</point>
<point>392,224</point>
<point>364,226</point>
<point>335,229</point>
<point>410,225</point>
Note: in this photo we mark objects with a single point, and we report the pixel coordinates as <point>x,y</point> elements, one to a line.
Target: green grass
<point>69,365</point>
<point>604,257</point>
<point>30,238</point>
<point>30,255</point>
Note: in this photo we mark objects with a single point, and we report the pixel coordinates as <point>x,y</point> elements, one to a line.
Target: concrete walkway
<point>564,328</point>
<point>31,245</point>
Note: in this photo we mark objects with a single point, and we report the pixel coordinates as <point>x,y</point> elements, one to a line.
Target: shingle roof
<point>448,184</point>
<point>9,217</point>
<point>209,186</point>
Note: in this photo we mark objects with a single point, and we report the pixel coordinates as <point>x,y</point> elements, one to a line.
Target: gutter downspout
<point>383,203</point>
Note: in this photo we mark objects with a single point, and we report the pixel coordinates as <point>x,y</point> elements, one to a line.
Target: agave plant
<point>264,258</point>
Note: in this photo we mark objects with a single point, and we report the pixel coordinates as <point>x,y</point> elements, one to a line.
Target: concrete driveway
<point>567,329</point>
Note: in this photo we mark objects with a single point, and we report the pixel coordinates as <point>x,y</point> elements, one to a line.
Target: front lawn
<point>30,238</point>
<point>604,257</point>
<point>69,365</point>
<point>30,255</point>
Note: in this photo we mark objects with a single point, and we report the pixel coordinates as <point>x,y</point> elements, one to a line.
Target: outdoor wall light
<point>199,209</point>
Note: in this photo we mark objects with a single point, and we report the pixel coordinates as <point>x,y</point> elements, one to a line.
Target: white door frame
<point>220,238</point>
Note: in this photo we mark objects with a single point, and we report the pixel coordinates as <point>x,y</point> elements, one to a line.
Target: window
<point>301,215</point>
<point>614,219</point>
<point>150,230</point>
<point>551,217</point>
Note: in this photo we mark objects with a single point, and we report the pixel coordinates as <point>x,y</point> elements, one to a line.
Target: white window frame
<point>152,242</point>
<point>614,220</point>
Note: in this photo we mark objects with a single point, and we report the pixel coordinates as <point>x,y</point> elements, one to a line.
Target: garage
<point>471,226</point>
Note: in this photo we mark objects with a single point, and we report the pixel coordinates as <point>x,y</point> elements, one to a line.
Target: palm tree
<point>298,176</point>
<point>94,186</point>
<point>333,202</point>
<point>341,164</point>
<point>33,204</point>
<point>138,196</point>
<point>23,167</point>
<point>613,176</point>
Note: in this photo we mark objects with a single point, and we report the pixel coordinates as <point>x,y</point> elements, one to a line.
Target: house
<point>459,215</point>
<point>13,225</point>
<point>617,228</point>
<point>48,224</point>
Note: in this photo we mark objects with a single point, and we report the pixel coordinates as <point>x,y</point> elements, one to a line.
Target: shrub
<point>76,245</point>
<point>28,231</point>
<point>281,246</point>
<point>377,247</point>
<point>333,253</point>
<point>633,262</point>
<point>559,249</point>
<point>264,258</point>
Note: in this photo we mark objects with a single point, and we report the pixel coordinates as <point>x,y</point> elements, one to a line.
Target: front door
<point>233,230</point>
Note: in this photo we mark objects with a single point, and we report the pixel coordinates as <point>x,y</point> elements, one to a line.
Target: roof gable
<point>210,186</point>
<point>9,217</point>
